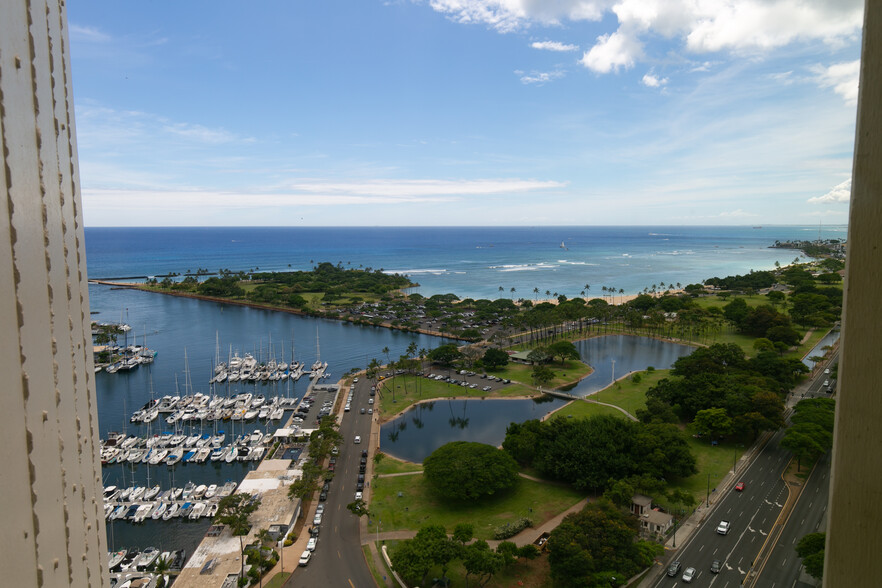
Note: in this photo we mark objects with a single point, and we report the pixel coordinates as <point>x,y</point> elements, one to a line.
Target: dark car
<point>364,452</point>
<point>326,487</point>
<point>313,531</point>
<point>716,566</point>
<point>361,469</point>
<point>674,568</point>
<point>363,461</point>
<point>361,477</point>
<point>359,486</point>
<point>323,496</point>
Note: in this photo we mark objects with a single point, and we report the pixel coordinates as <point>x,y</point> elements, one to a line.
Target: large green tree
<point>494,358</point>
<point>591,546</point>
<point>463,470</point>
<point>445,354</point>
<point>811,549</point>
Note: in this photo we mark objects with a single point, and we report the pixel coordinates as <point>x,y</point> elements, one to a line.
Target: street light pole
<point>707,499</point>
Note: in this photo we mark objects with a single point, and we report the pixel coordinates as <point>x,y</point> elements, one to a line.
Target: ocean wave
<point>675,252</point>
<point>435,272</point>
<point>566,262</point>
<point>523,267</point>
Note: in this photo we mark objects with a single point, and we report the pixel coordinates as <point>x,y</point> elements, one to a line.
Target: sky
<point>465,112</point>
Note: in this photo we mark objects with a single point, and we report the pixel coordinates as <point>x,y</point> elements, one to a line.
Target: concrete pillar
<point>50,485</point>
<point>853,531</point>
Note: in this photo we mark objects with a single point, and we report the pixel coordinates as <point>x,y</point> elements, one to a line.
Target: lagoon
<point>417,432</point>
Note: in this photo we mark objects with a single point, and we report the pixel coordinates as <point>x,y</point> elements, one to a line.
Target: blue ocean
<point>475,262</point>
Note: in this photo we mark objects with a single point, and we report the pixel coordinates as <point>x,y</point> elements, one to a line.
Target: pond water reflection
<point>422,429</point>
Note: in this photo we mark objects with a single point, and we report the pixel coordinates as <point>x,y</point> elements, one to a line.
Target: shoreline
<point>249,304</point>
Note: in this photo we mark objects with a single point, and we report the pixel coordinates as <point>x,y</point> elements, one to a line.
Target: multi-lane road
<point>338,559</point>
<point>753,514</point>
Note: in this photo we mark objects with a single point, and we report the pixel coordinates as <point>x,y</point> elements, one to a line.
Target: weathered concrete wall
<point>51,507</point>
<point>853,528</point>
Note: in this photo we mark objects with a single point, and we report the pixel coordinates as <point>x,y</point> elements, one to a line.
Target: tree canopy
<point>590,547</point>
<point>463,470</point>
<point>494,358</point>
<point>445,354</point>
<point>588,453</point>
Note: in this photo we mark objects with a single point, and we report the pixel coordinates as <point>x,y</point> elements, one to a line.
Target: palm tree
<point>548,293</point>
<point>512,292</point>
<point>160,568</point>
<point>536,293</point>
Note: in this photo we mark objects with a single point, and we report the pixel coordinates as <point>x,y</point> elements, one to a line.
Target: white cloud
<point>735,214</point>
<point>842,77</point>
<point>539,77</point>
<point>553,46</point>
<point>702,26</point>
<point>839,193</point>
<point>618,50</point>
<point>87,34</point>
<point>124,207</point>
<point>200,133</point>
<point>511,15</point>
<point>423,188</point>
<point>108,129</point>
<point>652,81</point>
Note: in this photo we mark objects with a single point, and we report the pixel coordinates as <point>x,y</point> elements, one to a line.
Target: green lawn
<point>630,395</point>
<point>716,460</point>
<point>625,394</point>
<point>717,302</point>
<point>583,409</point>
<point>419,388</point>
<point>278,580</point>
<point>418,506</point>
<point>392,465</point>
<point>565,373</point>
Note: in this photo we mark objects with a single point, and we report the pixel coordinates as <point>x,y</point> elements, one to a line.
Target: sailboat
<point>563,246</point>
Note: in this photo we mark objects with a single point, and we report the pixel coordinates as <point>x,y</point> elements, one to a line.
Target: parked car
<point>323,496</point>
<point>358,495</point>
<point>320,509</point>
<point>370,411</point>
<point>310,545</point>
<point>304,559</point>
<point>317,520</point>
